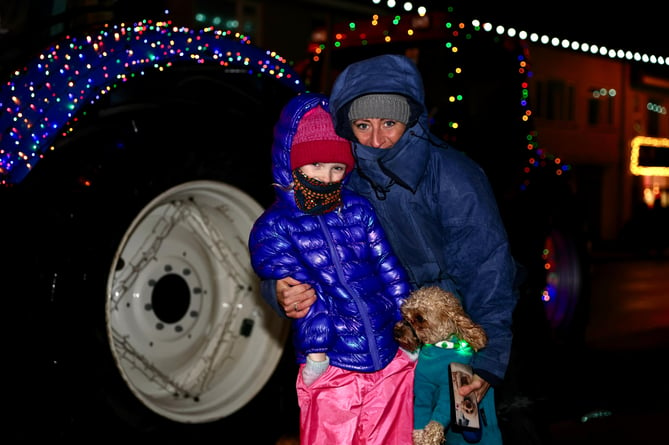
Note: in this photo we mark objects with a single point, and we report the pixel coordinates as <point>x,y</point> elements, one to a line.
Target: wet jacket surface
<point>436,206</point>
<point>343,254</point>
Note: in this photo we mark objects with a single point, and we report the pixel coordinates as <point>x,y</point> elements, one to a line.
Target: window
<point>601,106</point>
<point>655,110</point>
<point>554,100</point>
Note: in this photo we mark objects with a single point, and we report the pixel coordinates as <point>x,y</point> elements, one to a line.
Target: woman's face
<point>378,133</point>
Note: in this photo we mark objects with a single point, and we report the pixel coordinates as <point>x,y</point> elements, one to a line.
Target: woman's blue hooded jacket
<point>343,254</point>
<point>436,206</point>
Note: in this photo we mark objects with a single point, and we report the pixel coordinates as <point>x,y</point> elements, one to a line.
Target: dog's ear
<point>477,338</point>
<point>471,332</point>
<point>405,336</point>
<point>465,327</point>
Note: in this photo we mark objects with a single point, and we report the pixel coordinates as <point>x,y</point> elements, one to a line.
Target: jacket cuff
<point>488,377</point>
<point>268,292</point>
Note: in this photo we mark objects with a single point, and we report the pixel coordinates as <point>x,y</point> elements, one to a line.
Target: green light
<point>595,414</point>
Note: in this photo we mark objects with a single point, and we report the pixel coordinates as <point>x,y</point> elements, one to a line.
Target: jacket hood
<point>284,132</point>
<point>405,163</point>
<point>389,74</point>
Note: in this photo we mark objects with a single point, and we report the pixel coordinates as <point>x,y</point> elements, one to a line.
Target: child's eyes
<point>336,167</point>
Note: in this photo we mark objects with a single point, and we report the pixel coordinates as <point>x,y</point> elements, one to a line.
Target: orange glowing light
<point>652,152</point>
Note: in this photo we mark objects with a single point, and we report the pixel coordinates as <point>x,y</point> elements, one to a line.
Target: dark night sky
<point>639,25</point>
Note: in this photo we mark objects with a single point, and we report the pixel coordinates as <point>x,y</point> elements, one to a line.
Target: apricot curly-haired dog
<point>435,322</point>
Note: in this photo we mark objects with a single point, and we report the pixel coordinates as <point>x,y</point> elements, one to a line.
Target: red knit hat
<point>316,141</point>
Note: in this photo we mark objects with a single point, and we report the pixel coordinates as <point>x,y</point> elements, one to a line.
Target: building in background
<point>608,117</point>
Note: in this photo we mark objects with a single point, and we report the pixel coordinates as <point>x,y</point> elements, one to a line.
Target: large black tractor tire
<point>133,308</point>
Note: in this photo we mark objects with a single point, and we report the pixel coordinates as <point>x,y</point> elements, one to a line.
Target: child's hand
<point>313,369</point>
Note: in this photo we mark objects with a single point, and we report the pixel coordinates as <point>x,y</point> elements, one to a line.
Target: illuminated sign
<point>650,156</point>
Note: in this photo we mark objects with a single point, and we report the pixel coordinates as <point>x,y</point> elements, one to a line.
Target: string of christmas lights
<point>41,100</point>
<point>452,32</point>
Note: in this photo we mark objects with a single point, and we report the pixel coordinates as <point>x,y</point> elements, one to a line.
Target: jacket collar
<point>404,164</point>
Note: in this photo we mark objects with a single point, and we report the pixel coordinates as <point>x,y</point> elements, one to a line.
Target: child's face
<point>324,171</point>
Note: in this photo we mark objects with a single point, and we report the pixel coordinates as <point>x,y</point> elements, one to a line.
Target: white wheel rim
<point>187,325</point>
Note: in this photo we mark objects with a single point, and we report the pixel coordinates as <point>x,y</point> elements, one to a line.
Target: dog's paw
<point>417,437</point>
<point>433,434</point>
<point>405,336</point>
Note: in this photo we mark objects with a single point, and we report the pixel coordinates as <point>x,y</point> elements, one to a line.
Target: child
<point>355,385</point>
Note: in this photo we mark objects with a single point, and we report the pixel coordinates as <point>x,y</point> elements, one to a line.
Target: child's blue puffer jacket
<point>343,254</point>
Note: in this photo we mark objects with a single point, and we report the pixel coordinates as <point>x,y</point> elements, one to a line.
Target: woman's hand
<point>478,385</point>
<point>294,297</point>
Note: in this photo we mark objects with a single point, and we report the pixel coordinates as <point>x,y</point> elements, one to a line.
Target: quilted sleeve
<point>272,253</point>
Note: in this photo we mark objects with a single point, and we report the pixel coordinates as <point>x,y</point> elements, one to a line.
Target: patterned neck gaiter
<point>315,197</point>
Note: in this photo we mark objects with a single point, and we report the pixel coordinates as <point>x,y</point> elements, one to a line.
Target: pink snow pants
<point>355,408</point>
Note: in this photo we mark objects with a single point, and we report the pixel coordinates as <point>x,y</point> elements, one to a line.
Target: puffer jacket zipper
<point>364,315</point>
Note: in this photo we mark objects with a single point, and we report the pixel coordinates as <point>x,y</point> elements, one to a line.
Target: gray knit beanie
<point>380,106</point>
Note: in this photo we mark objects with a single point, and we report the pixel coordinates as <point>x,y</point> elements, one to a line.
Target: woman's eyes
<point>364,126</point>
